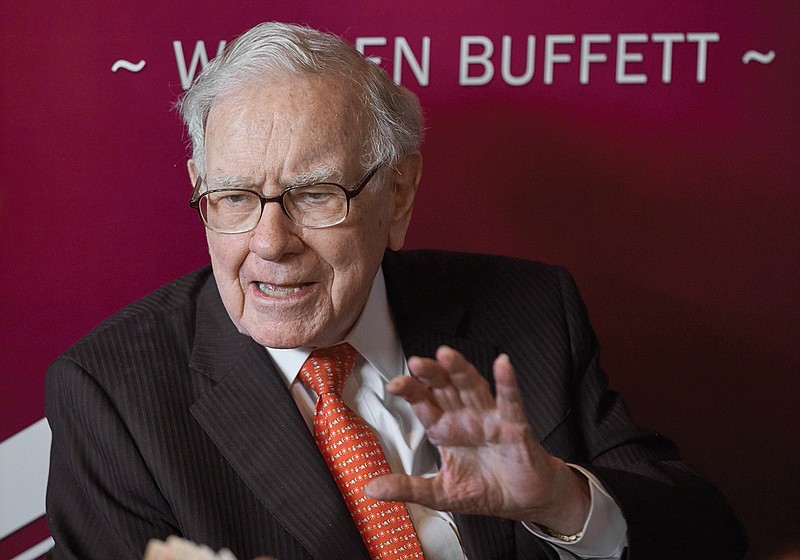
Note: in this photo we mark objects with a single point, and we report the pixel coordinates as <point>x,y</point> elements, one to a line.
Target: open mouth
<point>274,290</point>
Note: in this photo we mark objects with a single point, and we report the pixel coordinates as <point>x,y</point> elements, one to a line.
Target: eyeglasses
<point>232,210</point>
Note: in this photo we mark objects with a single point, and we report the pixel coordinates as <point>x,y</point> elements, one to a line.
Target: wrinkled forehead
<point>312,116</point>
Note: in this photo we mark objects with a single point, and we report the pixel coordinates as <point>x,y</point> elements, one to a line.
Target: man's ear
<point>405,176</point>
<point>193,175</point>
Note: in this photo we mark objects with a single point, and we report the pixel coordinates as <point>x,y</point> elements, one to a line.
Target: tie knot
<point>327,369</point>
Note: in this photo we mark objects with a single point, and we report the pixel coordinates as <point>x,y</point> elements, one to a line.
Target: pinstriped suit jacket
<point>166,420</point>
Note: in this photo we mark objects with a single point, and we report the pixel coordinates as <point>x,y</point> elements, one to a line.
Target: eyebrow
<point>319,174</point>
<point>228,182</point>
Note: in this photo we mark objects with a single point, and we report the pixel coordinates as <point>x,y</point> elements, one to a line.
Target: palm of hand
<point>491,474</point>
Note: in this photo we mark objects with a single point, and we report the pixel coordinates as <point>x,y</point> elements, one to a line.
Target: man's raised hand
<point>490,462</point>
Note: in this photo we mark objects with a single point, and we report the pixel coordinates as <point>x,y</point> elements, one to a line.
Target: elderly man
<point>316,393</point>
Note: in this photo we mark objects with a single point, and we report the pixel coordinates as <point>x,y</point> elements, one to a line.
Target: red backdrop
<point>642,152</point>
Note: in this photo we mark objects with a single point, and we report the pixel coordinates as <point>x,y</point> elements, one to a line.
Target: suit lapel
<point>427,319</point>
<point>251,417</point>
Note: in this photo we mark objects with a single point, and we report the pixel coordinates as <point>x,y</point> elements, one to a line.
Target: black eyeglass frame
<point>349,194</point>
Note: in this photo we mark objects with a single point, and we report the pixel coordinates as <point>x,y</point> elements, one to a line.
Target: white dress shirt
<point>403,440</point>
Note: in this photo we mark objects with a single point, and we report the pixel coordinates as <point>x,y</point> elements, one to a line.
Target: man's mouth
<point>273,290</point>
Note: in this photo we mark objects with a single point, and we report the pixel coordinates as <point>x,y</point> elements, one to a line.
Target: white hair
<point>274,49</point>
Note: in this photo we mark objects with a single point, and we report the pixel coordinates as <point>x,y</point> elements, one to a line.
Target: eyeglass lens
<point>240,210</point>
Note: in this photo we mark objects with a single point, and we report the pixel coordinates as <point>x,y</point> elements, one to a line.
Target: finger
<point>437,379</point>
<point>509,398</point>
<point>410,389</point>
<point>473,389</point>
<point>404,488</point>
<point>429,372</point>
<point>421,399</point>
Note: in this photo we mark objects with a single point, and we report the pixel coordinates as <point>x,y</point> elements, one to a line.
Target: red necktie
<point>354,456</point>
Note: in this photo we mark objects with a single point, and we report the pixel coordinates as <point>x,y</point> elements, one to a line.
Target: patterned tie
<point>354,456</point>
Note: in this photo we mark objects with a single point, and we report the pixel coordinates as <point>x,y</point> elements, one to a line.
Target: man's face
<point>284,285</point>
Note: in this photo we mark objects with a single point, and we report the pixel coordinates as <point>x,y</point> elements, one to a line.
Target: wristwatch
<point>560,536</point>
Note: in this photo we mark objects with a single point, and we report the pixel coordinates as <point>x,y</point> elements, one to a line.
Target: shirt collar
<point>374,336</point>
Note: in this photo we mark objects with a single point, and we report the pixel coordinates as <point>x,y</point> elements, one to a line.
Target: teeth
<point>278,291</point>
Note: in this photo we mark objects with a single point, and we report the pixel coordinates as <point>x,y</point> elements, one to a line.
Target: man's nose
<point>275,235</point>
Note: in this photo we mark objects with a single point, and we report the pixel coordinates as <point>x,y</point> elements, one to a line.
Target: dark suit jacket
<point>166,420</point>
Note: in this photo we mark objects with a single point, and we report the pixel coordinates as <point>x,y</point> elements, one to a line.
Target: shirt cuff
<point>605,533</point>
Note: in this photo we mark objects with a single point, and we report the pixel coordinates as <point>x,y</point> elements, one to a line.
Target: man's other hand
<point>176,548</point>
